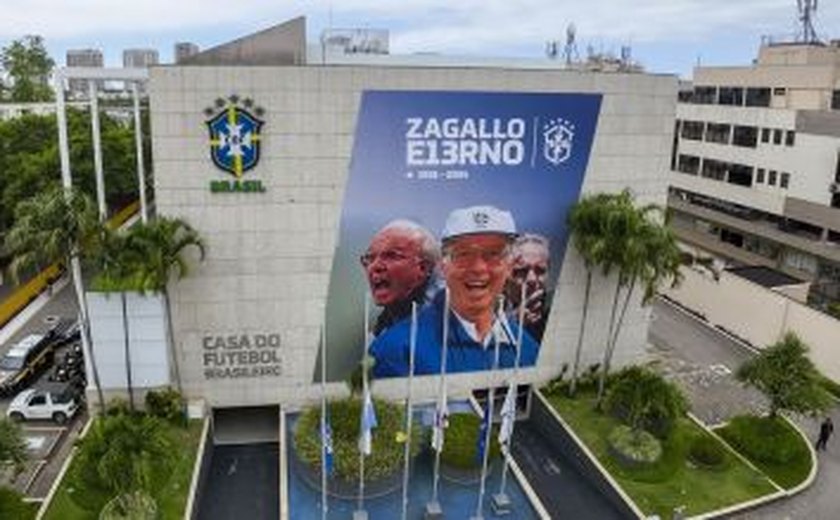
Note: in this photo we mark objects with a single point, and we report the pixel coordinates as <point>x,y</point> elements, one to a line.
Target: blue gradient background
<point>379,191</point>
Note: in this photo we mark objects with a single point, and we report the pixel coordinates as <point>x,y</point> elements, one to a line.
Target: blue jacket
<point>391,348</point>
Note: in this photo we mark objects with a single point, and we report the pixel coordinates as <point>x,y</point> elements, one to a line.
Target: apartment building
<point>755,164</point>
<point>183,50</point>
<point>82,58</point>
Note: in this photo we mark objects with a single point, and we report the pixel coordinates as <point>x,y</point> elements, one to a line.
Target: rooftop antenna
<point>570,52</point>
<point>807,10</point>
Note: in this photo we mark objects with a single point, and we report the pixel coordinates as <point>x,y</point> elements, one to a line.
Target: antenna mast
<point>807,10</point>
<point>570,52</point>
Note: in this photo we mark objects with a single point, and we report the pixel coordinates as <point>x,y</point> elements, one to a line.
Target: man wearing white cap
<point>476,246</point>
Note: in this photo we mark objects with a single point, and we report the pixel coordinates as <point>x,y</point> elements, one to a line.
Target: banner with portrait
<point>493,174</point>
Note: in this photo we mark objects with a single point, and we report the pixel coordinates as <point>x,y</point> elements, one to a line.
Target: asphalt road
<point>693,353</point>
<point>242,483</point>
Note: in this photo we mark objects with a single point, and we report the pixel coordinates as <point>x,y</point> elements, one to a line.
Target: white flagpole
<point>361,506</point>
<point>324,505</point>
<point>490,397</point>
<point>514,384</point>
<point>441,392</point>
<point>408,413</point>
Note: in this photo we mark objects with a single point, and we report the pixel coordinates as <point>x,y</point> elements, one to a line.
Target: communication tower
<point>807,10</point>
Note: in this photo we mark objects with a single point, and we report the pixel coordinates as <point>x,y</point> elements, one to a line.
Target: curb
<point>526,487</point>
<point>284,468</point>
<point>606,474</point>
<point>199,457</point>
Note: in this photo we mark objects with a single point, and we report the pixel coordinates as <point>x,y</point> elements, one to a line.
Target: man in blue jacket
<point>476,247</point>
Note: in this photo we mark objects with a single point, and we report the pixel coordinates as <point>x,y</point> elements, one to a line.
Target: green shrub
<point>634,447</point>
<point>830,386</point>
<point>387,451</point>
<point>643,399</point>
<point>12,504</point>
<point>762,438</point>
<point>460,445</point>
<point>117,406</point>
<point>706,451</point>
<point>834,309</point>
<point>123,453</point>
<point>166,404</point>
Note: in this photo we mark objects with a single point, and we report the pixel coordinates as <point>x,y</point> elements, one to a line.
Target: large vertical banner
<point>465,190</point>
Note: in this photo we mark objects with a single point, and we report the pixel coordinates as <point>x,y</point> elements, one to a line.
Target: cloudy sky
<point>665,35</point>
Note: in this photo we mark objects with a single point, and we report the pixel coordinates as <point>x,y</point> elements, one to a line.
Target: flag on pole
<point>327,445</point>
<point>482,434</point>
<point>508,415</point>
<point>441,422</point>
<point>368,423</point>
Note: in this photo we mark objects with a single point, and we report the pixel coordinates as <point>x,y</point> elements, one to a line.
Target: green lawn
<point>672,481</point>
<point>171,501</point>
<point>771,437</point>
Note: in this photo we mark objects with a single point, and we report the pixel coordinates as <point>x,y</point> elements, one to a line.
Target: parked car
<point>24,362</point>
<point>62,330</point>
<point>58,403</point>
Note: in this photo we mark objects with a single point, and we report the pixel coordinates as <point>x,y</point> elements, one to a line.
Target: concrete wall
<point>270,254</point>
<point>147,340</point>
<point>759,315</point>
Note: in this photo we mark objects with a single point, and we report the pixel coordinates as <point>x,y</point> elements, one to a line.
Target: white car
<point>43,404</point>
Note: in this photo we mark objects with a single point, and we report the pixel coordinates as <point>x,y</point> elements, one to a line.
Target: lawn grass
<point>746,433</point>
<point>672,481</point>
<point>171,501</point>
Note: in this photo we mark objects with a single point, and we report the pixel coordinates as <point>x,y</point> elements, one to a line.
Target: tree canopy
<point>26,70</point>
<point>787,377</point>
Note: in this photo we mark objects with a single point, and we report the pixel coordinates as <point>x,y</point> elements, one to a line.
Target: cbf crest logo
<point>558,135</point>
<point>235,137</point>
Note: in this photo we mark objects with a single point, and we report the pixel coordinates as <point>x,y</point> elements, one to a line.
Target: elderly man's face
<point>530,269</point>
<point>476,267</point>
<point>395,266</point>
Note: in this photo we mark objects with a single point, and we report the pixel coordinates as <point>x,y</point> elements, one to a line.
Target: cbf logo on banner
<point>235,142</point>
<point>465,191</point>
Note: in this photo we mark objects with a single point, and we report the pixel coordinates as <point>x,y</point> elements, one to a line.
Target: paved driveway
<point>703,360</point>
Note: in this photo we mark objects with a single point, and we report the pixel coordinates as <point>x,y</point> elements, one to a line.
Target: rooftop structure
<point>83,58</point>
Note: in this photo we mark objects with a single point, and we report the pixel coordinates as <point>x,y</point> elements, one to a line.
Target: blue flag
<point>367,423</point>
<point>482,434</point>
<point>327,446</point>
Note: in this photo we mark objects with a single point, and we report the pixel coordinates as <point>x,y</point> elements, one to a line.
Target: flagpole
<point>324,504</point>
<point>490,397</point>
<point>408,413</point>
<point>433,508</point>
<point>501,500</point>
<point>360,511</point>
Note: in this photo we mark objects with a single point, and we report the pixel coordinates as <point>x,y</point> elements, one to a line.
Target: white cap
<point>478,219</point>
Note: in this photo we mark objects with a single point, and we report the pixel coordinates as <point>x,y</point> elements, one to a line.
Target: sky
<point>666,36</point>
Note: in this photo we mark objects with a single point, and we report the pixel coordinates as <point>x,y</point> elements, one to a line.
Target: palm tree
<point>647,252</point>
<point>587,226</point>
<point>159,247</point>
<point>57,225</point>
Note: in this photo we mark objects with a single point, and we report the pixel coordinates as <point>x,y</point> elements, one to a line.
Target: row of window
<point>737,135</point>
<point>732,96</point>
<point>733,173</point>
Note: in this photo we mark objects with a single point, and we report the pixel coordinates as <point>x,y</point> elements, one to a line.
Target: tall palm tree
<point>648,253</point>
<point>159,246</point>
<point>586,222</point>
<point>57,225</point>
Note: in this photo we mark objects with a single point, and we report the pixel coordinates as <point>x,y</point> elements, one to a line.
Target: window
<point>779,91</point>
<point>713,169</point>
<point>685,96</point>
<point>692,130</point>
<point>759,176</point>
<point>765,135</point>
<point>777,136</point>
<point>790,137</point>
<point>731,237</point>
<point>705,95</point>
<point>689,164</point>
<point>731,96</point>
<point>745,136</point>
<point>38,400</point>
<point>740,174</point>
<point>835,100</point>
<point>771,177</point>
<point>784,180</point>
<point>835,200</point>
<point>758,97</point>
<point>837,169</point>
<point>717,133</point>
